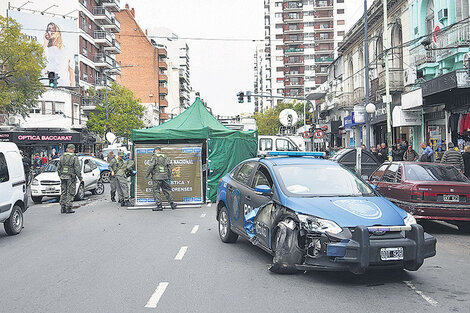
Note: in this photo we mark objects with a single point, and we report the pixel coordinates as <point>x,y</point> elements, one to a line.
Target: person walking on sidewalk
<point>68,169</point>
<point>160,168</point>
<point>453,157</point>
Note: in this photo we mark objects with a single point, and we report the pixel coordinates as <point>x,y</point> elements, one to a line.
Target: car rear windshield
<point>51,167</point>
<point>315,180</point>
<point>433,172</point>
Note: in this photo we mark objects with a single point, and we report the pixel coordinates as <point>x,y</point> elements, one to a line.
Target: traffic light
<point>53,77</point>
<point>240,95</point>
<point>248,96</point>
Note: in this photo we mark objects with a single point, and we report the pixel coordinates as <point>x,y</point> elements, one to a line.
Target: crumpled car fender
<point>287,252</point>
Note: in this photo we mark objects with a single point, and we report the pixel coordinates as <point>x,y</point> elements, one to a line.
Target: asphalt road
<point>108,259</point>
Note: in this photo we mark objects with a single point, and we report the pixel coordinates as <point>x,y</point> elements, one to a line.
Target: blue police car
<point>314,214</point>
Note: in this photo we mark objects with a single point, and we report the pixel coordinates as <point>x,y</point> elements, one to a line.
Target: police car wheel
<point>99,189</point>
<point>285,249</point>
<point>14,224</point>
<point>105,176</point>
<point>225,232</point>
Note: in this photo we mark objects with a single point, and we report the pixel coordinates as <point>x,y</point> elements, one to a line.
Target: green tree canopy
<point>21,65</point>
<point>268,121</point>
<point>124,112</point>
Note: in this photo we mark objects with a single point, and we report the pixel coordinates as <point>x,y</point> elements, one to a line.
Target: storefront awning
<point>403,118</point>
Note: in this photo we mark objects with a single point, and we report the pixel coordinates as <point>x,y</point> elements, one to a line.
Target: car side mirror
<point>263,190</point>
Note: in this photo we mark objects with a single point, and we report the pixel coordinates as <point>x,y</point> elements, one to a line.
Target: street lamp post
<point>387,77</point>
<point>366,61</point>
<point>105,72</point>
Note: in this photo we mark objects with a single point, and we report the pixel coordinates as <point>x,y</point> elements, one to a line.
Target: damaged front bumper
<point>363,251</point>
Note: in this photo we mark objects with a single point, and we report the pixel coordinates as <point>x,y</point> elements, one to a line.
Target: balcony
<point>323,5</point>
<point>320,39</point>
<point>294,51</point>
<point>162,65</point>
<point>100,82</point>
<point>294,61</point>
<point>163,78</point>
<point>359,95</point>
<point>103,38</point>
<point>162,53</point>
<point>116,69</point>
<point>457,36</point>
<point>292,6</point>
<point>322,16</point>
<point>103,61</point>
<point>112,5</point>
<point>420,56</point>
<point>396,80</point>
<point>292,39</point>
<point>163,103</point>
<point>292,17</point>
<point>345,101</point>
<point>324,60</point>
<point>115,48</point>
<point>102,16</point>
<point>89,103</point>
<point>163,90</point>
<point>293,28</point>
<point>163,116</point>
<point>114,26</point>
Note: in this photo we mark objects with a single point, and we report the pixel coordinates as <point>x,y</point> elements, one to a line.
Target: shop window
<point>48,107</point>
<point>4,176</point>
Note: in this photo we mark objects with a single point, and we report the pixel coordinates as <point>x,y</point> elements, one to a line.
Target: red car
<point>430,191</point>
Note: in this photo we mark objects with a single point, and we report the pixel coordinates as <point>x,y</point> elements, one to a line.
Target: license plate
<point>451,198</point>
<point>50,189</point>
<point>391,254</point>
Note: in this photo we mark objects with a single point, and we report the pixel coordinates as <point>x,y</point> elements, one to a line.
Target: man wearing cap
<point>119,172</point>
<point>160,168</point>
<point>68,169</point>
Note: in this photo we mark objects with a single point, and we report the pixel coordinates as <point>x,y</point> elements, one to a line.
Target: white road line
<point>203,215</point>
<point>209,204</point>
<point>430,300</point>
<point>181,253</point>
<point>153,301</point>
<point>195,228</point>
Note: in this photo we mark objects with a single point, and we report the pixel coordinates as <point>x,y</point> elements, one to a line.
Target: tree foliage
<point>268,121</point>
<point>21,65</point>
<point>124,112</point>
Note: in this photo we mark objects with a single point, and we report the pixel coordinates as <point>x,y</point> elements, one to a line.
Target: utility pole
<point>366,60</point>
<point>387,77</point>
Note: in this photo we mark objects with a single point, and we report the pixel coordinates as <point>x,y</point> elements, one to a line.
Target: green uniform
<point>160,168</point>
<point>68,169</point>
<point>112,179</point>
<point>121,179</point>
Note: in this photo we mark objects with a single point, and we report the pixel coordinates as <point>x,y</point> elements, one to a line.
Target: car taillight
<point>417,194</point>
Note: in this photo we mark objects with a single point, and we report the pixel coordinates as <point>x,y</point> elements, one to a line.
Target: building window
<point>278,15</point>
<point>339,1</point>
<point>340,22</point>
<point>37,109</point>
<point>340,11</point>
<point>48,107</point>
<point>85,76</point>
<point>341,33</point>
<point>59,107</point>
<point>278,25</point>
<point>279,58</point>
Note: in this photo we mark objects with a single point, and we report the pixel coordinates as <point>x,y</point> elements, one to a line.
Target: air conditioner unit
<point>410,77</point>
<point>442,14</point>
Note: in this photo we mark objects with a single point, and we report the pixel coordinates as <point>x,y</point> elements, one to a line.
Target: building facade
<point>301,40</point>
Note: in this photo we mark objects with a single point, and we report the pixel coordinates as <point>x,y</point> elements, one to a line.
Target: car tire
<point>287,252</point>
<point>99,190</point>
<point>104,176</point>
<point>225,232</point>
<point>464,227</point>
<point>14,224</point>
<point>80,194</point>
<point>36,200</point>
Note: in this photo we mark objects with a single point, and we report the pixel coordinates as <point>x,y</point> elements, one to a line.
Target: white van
<point>13,195</point>
<point>268,144</point>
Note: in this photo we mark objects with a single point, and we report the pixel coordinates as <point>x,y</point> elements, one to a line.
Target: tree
<point>124,112</point>
<point>268,121</point>
<point>21,65</point>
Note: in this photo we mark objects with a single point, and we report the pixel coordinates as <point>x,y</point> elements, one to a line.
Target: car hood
<point>48,176</point>
<point>350,211</point>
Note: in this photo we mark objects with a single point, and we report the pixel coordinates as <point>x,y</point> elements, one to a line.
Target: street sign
<point>318,134</point>
<point>318,140</point>
<point>307,134</point>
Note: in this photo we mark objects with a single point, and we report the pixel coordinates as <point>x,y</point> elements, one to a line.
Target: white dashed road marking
<point>181,253</point>
<point>153,301</point>
<point>195,228</point>
<point>203,215</point>
<point>430,300</point>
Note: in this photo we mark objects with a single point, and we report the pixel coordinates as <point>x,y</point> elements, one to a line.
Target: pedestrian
<point>466,160</point>
<point>26,166</point>
<point>160,168</point>
<point>363,147</point>
<point>44,160</point>
<point>55,156</point>
<point>112,160</point>
<point>68,169</point>
<point>428,153</point>
<point>383,153</point>
<point>119,173</point>
<point>410,154</point>
<point>404,145</point>
<point>453,157</point>
<point>397,154</point>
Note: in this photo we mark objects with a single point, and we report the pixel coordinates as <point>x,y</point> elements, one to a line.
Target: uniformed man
<point>112,160</point>
<point>68,169</point>
<point>160,168</point>
<point>119,173</point>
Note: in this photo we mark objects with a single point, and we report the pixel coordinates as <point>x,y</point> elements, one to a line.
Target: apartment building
<point>301,38</point>
<point>146,71</point>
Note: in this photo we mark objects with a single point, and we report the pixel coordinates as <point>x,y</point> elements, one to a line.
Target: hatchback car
<point>313,214</point>
<point>430,191</point>
<point>47,184</point>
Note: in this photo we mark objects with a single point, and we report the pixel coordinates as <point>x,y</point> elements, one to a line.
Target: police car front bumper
<point>362,252</point>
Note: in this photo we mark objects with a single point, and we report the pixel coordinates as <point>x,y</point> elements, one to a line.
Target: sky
<point>218,69</point>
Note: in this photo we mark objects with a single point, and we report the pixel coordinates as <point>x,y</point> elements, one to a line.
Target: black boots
<point>62,209</point>
<point>113,197</point>
<point>173,205</point>
<point>158,208</point>
<point>69,211</point>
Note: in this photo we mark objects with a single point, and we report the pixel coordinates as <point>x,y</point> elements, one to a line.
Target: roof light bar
<point>297,153</point>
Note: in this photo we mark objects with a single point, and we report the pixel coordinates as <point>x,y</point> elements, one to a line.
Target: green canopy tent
<point>226,147</point>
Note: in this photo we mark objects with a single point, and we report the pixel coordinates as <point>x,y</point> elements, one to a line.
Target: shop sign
<point>43,137</point>
<point>186,176</point>
<point>403,118</point>
<point>413,99</point>
<point>4,137</point>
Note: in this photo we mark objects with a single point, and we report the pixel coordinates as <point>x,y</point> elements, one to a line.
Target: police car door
<point>239,194</point>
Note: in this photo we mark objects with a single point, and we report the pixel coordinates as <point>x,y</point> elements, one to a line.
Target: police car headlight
<point>319,225</point>
<point>409,220</point>
<point>35,182</point>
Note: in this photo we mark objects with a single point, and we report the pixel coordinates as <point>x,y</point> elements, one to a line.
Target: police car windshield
<point>309,180</point>
<point>51,167</point>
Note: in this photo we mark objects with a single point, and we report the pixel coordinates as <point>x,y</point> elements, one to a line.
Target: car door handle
<point>248,198</point>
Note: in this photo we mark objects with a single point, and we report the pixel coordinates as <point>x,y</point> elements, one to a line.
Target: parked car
<point>267,144</point>
<point>314,214</point>
<point>347,157</point>
<point>47,184</point>
<point>431,191</point>
<point>13,195</point>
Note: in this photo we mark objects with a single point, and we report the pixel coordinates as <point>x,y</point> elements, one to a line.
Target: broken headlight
<point>315,224</point>
<point>409,219</point>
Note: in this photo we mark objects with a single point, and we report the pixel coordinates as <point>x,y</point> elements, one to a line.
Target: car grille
<point>50,183</point>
